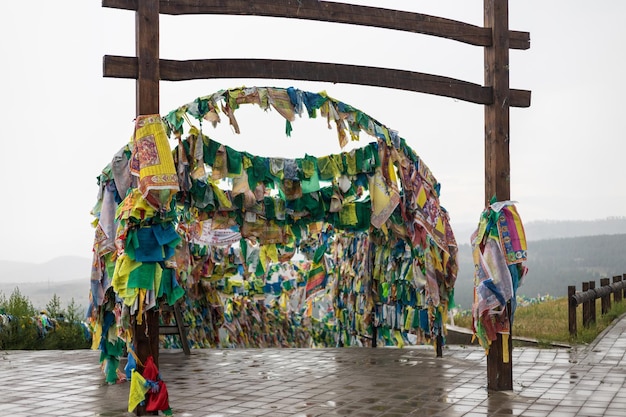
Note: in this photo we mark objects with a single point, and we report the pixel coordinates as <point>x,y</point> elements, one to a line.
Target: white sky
<point>63,120</point>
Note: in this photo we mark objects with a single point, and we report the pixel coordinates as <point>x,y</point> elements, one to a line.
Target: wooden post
<point>617,295</point>
<point>375,337</point>
<point>147,50</point>
<point>146,335</point>
<point>586,307</point>
<point>439,346</point>
<point>592,304</point>
<point>146,342</point>
<point>624,279</point>
<point>571,290</point>
<point>497,165</point>
<point>606,299</point>
<point>374,327</point>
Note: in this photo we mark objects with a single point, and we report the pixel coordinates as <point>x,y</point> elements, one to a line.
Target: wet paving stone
<point>330,382</point>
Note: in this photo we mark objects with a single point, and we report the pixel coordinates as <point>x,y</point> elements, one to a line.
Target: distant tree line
<point>550,229</point>
<point>22,327</point>
<point>553,264</point>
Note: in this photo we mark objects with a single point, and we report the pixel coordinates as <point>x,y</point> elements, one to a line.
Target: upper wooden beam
<point>338,13</point>
<point>170,70</point>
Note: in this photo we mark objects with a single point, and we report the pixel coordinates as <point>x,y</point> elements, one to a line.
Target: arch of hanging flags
<point>264,251</point>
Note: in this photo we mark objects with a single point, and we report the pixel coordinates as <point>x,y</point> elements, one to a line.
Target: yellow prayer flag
<point>399,340</point>
<point>137,391</point>
<point>392,172</point>
<point>95,339</point>
<point>421,197</point>
<point>348,215</point>
<point>152,160</point>
<point>222,198</point>
<point>505,348</point>
<point>279,99</point>
<point>269,253</point>
<point>384,199</point>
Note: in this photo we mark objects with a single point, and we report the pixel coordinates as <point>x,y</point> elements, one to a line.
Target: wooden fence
<point>588,296</point>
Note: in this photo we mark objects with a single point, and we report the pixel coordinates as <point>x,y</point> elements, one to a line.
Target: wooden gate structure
<point>495,95</point>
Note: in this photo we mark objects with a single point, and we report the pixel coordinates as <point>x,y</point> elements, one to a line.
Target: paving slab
<point>331,382</point>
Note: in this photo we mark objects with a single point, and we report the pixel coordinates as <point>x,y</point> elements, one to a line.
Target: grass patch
<point>547,322</point>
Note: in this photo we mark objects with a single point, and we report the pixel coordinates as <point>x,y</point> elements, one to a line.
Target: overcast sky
<point>63,120</point>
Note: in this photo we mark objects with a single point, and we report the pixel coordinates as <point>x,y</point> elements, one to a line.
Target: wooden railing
<point>588,296</point>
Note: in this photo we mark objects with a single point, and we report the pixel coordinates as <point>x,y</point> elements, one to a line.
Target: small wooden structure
<point>179,328</point>
<point>496,96</point>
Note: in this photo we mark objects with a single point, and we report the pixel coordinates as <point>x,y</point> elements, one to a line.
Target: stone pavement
<point>331,382</point>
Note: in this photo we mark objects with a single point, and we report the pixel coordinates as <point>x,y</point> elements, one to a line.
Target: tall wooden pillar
<point>497,165</point>
<point>146,334</point>
<point>147,50</point>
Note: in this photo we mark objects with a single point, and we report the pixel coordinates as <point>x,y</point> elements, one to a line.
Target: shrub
<point>66,335</point>
<point>20,333</point>
<point>21,328</point>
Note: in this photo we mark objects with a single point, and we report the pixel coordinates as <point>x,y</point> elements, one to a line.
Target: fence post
<point>606,299</point>
<point>617,295</point>
<point>374,336</point>
<point>571,290</point>
<point>586,307</point>
<point>592,303</point>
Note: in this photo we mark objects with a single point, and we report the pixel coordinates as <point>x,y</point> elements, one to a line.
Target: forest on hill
<point>554,264</point>
<point>552,229</point>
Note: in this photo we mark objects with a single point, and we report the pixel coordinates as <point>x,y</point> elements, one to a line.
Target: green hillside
<point>554,264</point>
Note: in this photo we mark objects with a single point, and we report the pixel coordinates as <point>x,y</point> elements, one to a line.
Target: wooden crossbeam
<point>172,70</point>
<point>336,13</point>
